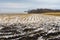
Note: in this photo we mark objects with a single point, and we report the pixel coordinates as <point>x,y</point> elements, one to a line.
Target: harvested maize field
<point>53,13</point>
<point>29,27</point>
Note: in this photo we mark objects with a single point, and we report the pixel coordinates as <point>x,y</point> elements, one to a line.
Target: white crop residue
<point>35,25</point>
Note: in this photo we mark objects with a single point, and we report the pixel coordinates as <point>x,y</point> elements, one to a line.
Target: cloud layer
<point>22,5</point>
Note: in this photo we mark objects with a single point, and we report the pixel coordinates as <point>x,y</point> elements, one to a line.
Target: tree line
<point>43,10</point>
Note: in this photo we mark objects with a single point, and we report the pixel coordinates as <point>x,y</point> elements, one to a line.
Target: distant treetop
<point>43,10</point>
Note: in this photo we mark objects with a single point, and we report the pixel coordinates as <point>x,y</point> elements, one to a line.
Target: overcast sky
<point>22,5</point>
